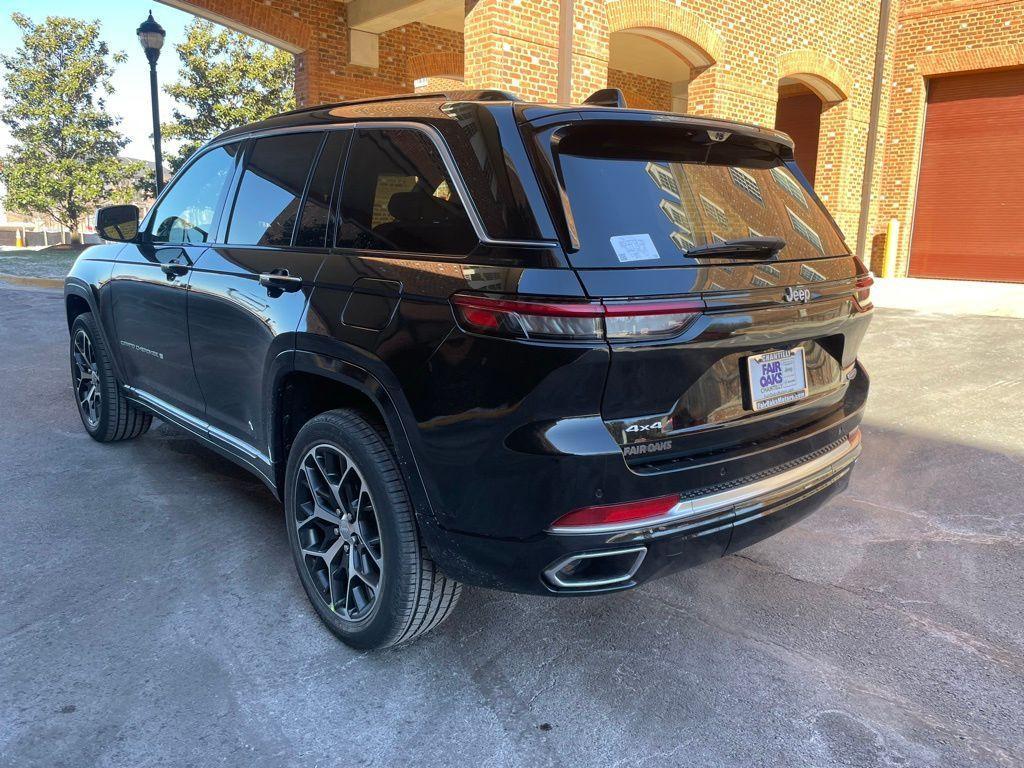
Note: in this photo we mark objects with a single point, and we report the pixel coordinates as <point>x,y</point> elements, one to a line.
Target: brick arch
<point>254,19</point>
<point>684,32</point>
<point>821,73</point>
<point>449,65</point>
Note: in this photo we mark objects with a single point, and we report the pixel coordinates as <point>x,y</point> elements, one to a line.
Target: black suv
<point>553,349</point>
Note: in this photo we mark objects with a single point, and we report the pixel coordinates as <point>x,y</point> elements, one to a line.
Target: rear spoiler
<point>538,117</point>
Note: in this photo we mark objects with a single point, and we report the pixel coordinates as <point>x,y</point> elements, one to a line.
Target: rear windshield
<point>648,203</point>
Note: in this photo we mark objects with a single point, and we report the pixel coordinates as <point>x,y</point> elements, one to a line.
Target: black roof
<point>427,106</point>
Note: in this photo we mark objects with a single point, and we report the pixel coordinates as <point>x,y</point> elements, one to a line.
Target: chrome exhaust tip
<point>595,569</point>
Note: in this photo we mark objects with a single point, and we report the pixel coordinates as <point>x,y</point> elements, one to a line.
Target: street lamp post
<point>152,35</point>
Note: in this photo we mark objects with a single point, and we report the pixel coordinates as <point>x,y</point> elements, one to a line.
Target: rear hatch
<point>660,209</point>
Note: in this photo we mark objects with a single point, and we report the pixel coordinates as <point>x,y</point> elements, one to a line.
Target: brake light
<point>617,514</point>
<point>863,294</point>
<point>575,320</point>
<point>529,319</point>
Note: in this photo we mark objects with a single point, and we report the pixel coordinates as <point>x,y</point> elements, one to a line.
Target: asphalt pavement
<point>150,613</point>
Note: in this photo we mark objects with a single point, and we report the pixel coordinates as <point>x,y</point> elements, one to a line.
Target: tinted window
<point>488,166</point>
<point>646,202</point>
<point>186,213</point>
<point>397,197</point>
<point>317,218</point>
<point>267,203</point>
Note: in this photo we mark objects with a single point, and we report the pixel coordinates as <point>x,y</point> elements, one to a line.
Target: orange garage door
<point>969,222</point>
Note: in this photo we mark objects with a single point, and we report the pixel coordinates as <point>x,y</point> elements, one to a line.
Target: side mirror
<point>118,222</point>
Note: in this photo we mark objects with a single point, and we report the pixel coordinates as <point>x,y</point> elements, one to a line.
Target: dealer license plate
<point>777,378</point>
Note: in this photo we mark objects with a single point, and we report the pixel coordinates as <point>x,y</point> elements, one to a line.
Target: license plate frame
<point>776,378</point>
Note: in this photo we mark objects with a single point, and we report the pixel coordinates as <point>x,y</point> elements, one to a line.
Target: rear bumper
<point>704,525</point>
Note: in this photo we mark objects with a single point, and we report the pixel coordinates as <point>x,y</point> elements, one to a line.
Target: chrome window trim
<point>796,479</point>
<point>439,144</point>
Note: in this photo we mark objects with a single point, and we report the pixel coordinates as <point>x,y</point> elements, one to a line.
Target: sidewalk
<point>43,267</point>
<point>950,297</point>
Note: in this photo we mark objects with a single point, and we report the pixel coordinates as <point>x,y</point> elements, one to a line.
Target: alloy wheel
<point>338,532</point>
<point>86,378</point>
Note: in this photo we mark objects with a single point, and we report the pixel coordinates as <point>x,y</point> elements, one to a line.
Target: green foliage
<point>63,162</point>
<point>226,79</point>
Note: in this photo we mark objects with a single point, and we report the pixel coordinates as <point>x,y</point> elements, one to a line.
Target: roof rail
<point>478,95</point>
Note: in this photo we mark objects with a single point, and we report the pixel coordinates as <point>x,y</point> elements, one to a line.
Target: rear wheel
<point>106,413</point>
<point>354,537</point>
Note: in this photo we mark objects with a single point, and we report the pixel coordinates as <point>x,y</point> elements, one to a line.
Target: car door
<point>149,283</point>
<point>249,292</point>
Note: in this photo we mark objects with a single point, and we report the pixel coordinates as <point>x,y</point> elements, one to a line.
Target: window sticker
<point>634,248</point>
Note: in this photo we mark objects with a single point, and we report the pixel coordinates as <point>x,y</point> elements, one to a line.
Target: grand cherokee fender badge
<point>143,350</point>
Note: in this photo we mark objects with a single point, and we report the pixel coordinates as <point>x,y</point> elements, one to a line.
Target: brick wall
<point>640,91</point>
<point>740,50</point>
<point>935,38</point>
<point>320,29</point>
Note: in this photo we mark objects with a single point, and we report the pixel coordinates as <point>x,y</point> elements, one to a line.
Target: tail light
<point>616,514</point>
<point>863,294</point>
<point>562,320</point>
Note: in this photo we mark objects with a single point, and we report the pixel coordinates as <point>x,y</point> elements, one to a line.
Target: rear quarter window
<point>397,196</point>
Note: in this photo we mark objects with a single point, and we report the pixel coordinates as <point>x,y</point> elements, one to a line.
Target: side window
<point>317,219</point>
<point>267,204</point>
<point>186,213</point>
<point>397,197</point>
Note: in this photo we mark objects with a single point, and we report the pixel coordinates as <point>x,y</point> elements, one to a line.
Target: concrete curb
<point>34,282</point>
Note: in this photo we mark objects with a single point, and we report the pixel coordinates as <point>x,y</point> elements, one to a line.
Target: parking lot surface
<point>150,613</point>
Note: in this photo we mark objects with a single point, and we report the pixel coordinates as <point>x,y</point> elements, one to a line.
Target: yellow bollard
<point>892,239</point>
<point>19,241</point>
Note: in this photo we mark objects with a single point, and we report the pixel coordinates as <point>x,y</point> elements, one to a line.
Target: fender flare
<point>75,286</point>
<point>390,410</point>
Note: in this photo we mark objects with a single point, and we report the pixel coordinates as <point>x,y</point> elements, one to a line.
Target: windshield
<point>633,208</point>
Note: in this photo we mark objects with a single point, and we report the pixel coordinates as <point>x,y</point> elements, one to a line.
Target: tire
<point>336,457</point>
<point>106,414</point>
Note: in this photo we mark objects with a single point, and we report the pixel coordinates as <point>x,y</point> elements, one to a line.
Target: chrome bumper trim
<point>789,482</point>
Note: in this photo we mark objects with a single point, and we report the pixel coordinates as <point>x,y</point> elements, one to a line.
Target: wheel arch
<point>79,298</point>
<point>316,383</point>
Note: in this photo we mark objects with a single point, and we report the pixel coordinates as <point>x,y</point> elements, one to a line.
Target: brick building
<point>890,101</point>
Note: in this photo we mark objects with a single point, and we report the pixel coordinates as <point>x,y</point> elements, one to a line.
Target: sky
<point>119,20</point>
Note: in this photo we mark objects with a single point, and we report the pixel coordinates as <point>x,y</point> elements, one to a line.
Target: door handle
<point>280,280</point>
<point>173,270</point>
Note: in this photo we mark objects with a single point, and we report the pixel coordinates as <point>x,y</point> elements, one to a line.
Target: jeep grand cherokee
<point>559,350</point>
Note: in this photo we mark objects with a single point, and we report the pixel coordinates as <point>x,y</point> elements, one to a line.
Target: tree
<point>226,79</point>
<point>64,158</point>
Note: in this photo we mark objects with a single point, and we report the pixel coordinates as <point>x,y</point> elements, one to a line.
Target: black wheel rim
<point>86,378</point>
<point>338,533</point>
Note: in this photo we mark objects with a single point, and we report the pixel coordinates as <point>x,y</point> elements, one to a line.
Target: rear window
<point>648,203</point>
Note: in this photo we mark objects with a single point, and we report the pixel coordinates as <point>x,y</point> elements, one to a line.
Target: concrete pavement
<point>150,614</point>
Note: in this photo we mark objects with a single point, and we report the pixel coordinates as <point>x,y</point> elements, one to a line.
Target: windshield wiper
<point>741,248</point>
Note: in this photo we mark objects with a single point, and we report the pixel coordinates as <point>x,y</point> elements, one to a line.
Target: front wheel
<point>354,538</point>
<point>106,414</point>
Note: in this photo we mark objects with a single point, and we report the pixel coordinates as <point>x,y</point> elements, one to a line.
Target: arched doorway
<point>656,50</point>
<point>799,114</point>
<point>650,73</point>
<point>813,108</point>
